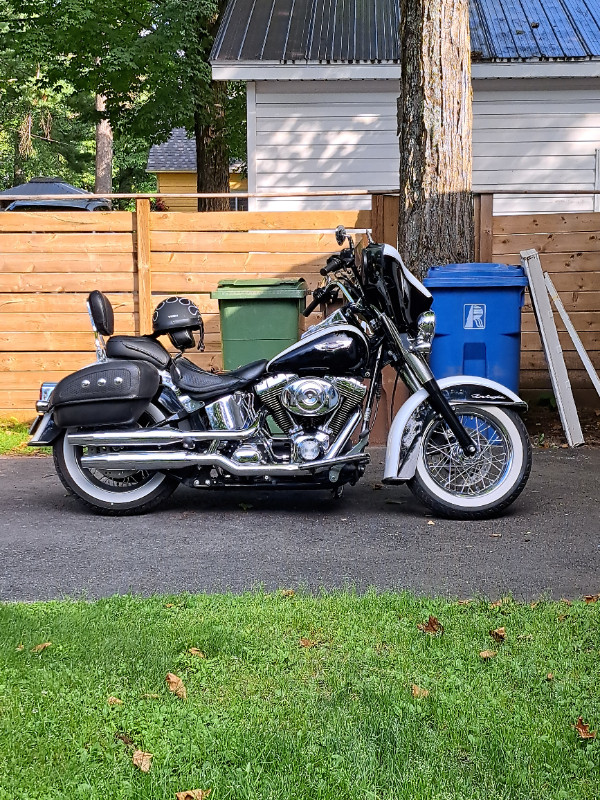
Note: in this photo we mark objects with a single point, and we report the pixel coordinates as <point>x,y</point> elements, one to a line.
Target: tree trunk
<point>212,160</point>
<point>104,151</point>
<point>435,223</point>
<point>18,174</point>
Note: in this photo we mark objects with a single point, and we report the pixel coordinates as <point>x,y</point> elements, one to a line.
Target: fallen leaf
<point>307,642</point>
<point>497,604</point>
<point>565,601</point>
<point>175,685</point>
<point>495,535</point>
<point>169,605</point>
<point>193,651</point>
<point>287,592</point>
<point>418,691</point>
<point>39,647</point>
<point>193,794</point>
<point>114,701</point>
<point>151,696</point>
<point>528,637</point>
<point>550,676</point>
<point>432,626</point>
<point>584,730</point>
<point>245,506</point>
<point>562,617</point>
<point>592,598</point>
<point>376,486</point>
<point>534,605</point>
<point>431,522</point>
<point>20,648</point>
<point>142,760</point>
<point>499,635</point>
<point>125,738</point>
<point>464,602</point>
<point>487,654</point>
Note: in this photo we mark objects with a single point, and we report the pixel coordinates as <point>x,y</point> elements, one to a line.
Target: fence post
<point>144,278</point>
<point>384,218</point>
<point>483,214</point>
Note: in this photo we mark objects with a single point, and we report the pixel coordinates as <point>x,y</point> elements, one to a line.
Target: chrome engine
<point>235,412</point>
<point>311,411</point>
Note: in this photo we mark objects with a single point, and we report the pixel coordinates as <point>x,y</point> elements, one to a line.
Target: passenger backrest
<point>102,313</point>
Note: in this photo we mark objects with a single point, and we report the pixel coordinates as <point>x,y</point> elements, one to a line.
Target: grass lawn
<point>13,438</point>
<point>294,696</point>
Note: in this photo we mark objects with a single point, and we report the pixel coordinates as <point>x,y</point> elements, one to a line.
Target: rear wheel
<point>113,492</point>
<point>473,487</point>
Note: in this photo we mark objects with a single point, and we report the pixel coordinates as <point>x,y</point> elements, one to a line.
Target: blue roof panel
<point>543,32</point>
<point>346,31</point>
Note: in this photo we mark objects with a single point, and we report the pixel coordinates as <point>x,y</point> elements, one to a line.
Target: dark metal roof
<point>177,154</point>
<point>367,30</point>
<point>44,186</point>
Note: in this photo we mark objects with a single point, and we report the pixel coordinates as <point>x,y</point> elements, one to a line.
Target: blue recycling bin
<point>478,321</point>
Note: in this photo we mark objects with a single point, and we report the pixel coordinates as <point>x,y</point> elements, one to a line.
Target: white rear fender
<point>404,436</point>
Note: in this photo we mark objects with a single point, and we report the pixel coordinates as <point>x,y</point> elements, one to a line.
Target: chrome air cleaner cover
<point>310,397</point>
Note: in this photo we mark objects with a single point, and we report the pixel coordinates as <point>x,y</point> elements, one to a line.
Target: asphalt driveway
<point>549,543</point>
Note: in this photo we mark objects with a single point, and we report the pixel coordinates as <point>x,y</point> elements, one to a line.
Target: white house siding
<point>332,135</point>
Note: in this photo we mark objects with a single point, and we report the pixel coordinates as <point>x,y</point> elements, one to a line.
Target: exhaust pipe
<point>159,461</point>
<point>164,461</point>
<point>156,437</point>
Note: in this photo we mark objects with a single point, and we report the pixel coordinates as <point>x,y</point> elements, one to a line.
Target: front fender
<point>404,436</point>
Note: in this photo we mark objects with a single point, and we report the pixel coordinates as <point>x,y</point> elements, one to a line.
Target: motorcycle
<point>130,427</point>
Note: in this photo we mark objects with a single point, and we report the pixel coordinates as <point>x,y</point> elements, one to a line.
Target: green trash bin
<point>260,317</point>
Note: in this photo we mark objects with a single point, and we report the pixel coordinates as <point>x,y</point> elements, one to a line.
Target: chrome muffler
<point>157,460</point>
<point>165,437</point>
<point>178,460</point>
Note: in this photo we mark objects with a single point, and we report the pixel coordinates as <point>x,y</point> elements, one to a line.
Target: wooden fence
<point>569,247</point>
<point>50,261</point>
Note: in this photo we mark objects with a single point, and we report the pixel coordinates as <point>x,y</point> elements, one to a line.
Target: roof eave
<point>276,70</point>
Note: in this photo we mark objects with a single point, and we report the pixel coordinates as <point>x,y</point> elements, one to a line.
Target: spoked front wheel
<point>473,487</point>
<point>113,492</point>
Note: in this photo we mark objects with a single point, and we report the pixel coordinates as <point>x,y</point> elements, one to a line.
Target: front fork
<point>417,374</point>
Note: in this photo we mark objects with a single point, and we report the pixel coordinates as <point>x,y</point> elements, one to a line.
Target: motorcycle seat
<point>140,348</point>
<point>205,386</point>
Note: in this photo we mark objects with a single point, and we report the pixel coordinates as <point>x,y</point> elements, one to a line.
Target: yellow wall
<point>173,182</point>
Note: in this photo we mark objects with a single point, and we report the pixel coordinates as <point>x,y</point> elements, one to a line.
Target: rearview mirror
<point>340,235</point>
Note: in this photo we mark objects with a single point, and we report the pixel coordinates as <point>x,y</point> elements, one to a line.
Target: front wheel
<point>110,491</point>
<point>458,486</point>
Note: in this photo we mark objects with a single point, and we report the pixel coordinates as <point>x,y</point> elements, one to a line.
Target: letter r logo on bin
<point>474,316</point>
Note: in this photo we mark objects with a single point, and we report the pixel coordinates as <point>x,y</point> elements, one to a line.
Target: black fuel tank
<point>337,350</point>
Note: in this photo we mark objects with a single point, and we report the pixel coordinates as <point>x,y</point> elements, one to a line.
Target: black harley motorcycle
<point>127,429</point>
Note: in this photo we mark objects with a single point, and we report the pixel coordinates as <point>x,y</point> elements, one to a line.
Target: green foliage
<point>149,58</point>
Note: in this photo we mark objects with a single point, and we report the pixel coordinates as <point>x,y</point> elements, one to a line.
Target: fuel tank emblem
<point>341,343</point>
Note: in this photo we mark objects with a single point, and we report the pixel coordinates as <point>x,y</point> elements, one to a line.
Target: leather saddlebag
<point>107,393</point>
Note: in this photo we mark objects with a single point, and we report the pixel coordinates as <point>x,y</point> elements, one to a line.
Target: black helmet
<point>178,317</point>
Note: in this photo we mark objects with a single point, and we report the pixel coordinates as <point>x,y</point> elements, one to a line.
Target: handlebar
<point>333,263</point>
<point>318,297</point>
<point>311,307</point>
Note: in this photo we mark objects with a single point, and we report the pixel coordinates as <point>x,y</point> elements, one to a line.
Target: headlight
<point>426,326</point>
